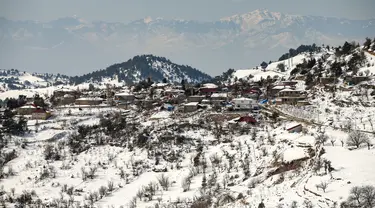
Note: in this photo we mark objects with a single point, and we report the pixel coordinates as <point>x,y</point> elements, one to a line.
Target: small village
<point>241,101</point>
<point>259,137</point>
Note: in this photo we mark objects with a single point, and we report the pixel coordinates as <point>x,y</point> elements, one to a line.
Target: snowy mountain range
<point>78,46</point>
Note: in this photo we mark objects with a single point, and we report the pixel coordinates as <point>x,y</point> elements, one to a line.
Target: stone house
<point>26,109</point>
<point>289,96</point>
<point>191,107</point>
<point>40,114</point>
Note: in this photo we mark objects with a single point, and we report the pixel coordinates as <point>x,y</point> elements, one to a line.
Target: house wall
<point>289,100</point>
<point>295,129</point>
<point>88,102</point>
<point>290,94</point>
<point>190,108</point>
<point>129,99</point>
<point>195,98</point>
<point>243,104</point>
<point>326,80</point>
<point>25,111</point>
<point>62,93</point>
<point>302,103</point>
<point>40,116</point>
<point>67,100</point>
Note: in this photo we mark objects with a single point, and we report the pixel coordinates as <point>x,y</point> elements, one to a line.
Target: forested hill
<point>140,68</point>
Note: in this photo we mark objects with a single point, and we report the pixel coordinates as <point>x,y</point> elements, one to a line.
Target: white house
<point>124,97</point>
<point>243,103</point>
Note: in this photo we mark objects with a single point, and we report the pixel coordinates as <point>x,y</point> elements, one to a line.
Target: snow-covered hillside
<point>317,155</point>
<point>163,165</point>
<point>14,79</point>
<point>272,69</point>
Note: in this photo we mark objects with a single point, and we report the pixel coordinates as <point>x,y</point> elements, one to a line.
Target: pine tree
<point>367,43</point>
<point>346,48</point>
<point>204,182</point>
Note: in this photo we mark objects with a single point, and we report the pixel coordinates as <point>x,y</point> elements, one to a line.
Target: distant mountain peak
<point>147,20</point>
<point>256,16</point>
<point>140,67</point>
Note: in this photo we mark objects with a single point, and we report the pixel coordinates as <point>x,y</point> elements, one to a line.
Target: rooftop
<point>89,98</point>
<point>191,104</point>
<point>209,85</point>
<point>124,94</point>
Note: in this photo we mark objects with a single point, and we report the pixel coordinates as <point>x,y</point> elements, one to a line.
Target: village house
<point>124,98</point>
<point>168,107</point>
<point>326,80</point>
<point>89,101</point>
<point>196,98</point>
<point>160,85</point>
<point>276,89</point>
<point>2,113</point>
<point>355,79</point>
<point>208,89</point>
<point>289,96</point>
<point>141,95</point>
<point>251,93</point>
<point>61,92</point>
<point>29,99</point>
<point>281,86</point>
<point>300,77</point>
<point>219,96</point>
<point>177,99</point>
<point>64,96</point>
<point>303,103</point>
<point>294,127</point>
<point>242,121</point>
<point>40,114</point>
<point>26,109</point>
<point>191,107</point>
<point>243,103</point>
<point>173,92</point>
<point>147,103</point>
<point>288,83</point>
<point>67,99</point>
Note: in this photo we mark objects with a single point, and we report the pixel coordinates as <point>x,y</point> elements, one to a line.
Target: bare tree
<point>307,204</point>
<point>342,142</point>
<point>356,138</point>
<point>164,182</point>
<point>333,142</point>
<point>348,125</point>
<point>322,185</point>
<point>110,186</point>
<point>92,172</point>
<point>361,197</point>
<point>321,138</point>
<point>102,191</point>
<point>367,72</point>
<point>140,194</point>
<point>186,182</point>
<point>83,173</point>
<point>368,142</point>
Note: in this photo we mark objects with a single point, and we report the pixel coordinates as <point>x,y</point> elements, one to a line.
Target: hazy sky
<point>129,10</point>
